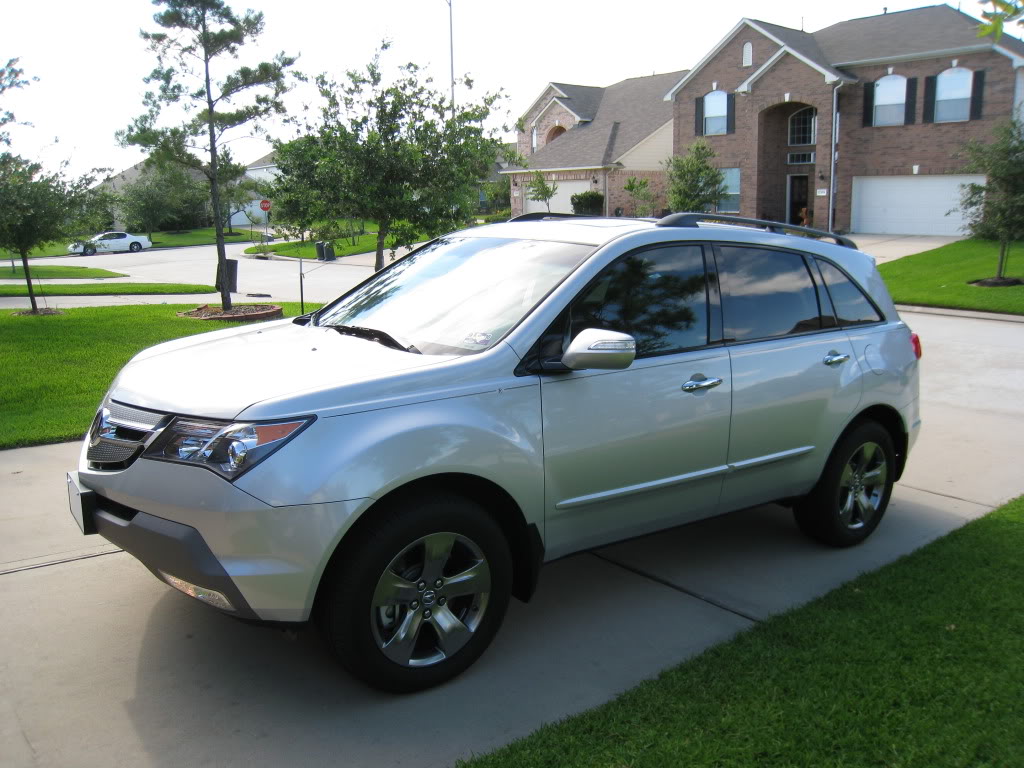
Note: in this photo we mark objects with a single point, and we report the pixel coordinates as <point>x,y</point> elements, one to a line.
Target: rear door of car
<point>630,451</point>
<point>796,379</point>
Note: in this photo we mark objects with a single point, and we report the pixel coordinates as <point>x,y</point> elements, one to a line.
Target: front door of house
<point>799,211</point>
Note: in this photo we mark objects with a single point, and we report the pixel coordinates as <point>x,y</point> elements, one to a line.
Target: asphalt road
<point>102,665</point>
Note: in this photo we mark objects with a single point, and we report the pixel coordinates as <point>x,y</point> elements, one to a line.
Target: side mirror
<point>596,348</point>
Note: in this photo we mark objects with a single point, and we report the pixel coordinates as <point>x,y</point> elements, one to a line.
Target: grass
<point>111,289</point>
<point>364,244</point>
<point>940,277</point>
<point>57,273</point>
<point>57,367</point>
<point>918,664</point>
<point>202,236</point>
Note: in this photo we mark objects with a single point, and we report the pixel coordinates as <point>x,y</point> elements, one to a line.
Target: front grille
<point>119,434</point>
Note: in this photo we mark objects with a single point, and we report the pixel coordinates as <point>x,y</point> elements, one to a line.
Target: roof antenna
<point>885,10</point>
<point>801,23</point>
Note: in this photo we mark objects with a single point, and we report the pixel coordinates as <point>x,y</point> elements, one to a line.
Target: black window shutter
<point>910,110</point>
<point>928,115</point>
<point>730,113</point>
<point>869,104</point>
<point>698,116</point>
<point>977,94</point>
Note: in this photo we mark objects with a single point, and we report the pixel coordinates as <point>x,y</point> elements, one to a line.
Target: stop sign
<point>264,205</point>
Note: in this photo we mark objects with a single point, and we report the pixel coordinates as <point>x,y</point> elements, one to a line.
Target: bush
<point>498,217</point>
<point>590,203</point>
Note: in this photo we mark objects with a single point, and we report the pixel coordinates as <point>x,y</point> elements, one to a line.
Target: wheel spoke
<point>864,507</point>
<point>452,634</point>
<point>846,507</point>
<point>876,476</point>
<point>867,453</point>
<point>472,581</point>
<point>437,550</point>
<point>846,480</point>
<point>392,589</point>
<point>401,645</point>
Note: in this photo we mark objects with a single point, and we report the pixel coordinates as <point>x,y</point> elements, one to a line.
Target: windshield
<point>458,295</point>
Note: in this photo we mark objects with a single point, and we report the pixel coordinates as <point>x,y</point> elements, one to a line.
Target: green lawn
<point>918,664</point>
<point>56,273</point>
<point>939,278</point>
<point>109,289</point>
<point>57,367</point>
<point>364,244</point>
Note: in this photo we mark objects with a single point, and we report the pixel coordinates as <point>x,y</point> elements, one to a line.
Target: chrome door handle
<point>695,385</point>
<point>833,358</point>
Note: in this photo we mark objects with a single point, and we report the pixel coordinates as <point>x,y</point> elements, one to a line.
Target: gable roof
<point>263,162</point>
<point>581,100</point>
<point>902,35</point>
<point>623,115</point>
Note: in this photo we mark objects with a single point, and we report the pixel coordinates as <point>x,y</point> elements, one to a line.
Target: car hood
<point>220,374</point>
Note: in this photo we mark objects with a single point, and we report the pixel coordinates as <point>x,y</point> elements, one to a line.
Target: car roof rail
<point>779,228</point>
<point>541,215</point>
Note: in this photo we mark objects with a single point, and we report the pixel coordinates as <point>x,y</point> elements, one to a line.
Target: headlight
<point>228,448</point>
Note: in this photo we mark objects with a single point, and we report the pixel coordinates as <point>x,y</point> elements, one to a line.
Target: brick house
<point>585,138</point>
<point>903,91</point>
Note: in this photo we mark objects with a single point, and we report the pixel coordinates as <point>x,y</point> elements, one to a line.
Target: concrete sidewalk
<point>101,664</point>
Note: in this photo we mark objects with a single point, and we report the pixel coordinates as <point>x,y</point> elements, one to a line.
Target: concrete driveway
<point>101,665</point>
<point>890,247</point>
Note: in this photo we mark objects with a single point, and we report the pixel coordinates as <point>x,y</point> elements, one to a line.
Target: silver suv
<point>402,461</point>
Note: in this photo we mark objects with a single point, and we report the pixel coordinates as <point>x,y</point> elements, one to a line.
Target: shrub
<point>589,203</point>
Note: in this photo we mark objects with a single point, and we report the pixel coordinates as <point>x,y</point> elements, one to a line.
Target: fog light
<point>209,596</point>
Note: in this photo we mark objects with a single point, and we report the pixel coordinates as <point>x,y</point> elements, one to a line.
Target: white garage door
<point>909,205</point>
<point>561,202</point>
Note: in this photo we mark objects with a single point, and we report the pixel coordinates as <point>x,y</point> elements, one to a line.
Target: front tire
<point>416,599</point>
<point>89,250</point>
<point>851,496</point>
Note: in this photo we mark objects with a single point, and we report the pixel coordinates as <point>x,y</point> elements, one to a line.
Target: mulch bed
<point>237,312</point>
<point>41,311</point>
<point>998,282</point>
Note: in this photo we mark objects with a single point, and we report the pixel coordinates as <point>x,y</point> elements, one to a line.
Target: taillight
<point>915,342</point>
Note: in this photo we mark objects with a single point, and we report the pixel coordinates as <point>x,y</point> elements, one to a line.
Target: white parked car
<point>109,242</point>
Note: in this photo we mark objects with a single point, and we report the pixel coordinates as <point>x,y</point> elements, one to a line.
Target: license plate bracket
<point>82,503</point>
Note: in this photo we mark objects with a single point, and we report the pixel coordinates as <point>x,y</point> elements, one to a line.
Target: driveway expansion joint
<point>59,562</point>
<point>676,587</point>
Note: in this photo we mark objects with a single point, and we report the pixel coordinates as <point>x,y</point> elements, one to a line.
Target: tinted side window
<point>766,293</point>
<point>852,306</point>
<point>659,297</point>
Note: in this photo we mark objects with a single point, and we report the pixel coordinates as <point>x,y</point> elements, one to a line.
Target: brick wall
<point>617,196</point>
<point>520,180</point>
<point>555,115</point>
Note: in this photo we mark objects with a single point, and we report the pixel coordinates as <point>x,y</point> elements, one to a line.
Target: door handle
<point>696,385</point>
<point>834,358</point>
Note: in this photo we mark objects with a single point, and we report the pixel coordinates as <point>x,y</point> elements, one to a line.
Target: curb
<point>969,313</point>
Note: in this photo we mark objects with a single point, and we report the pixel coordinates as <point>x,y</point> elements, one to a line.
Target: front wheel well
<point>891,420</point>
<point>524,540</point>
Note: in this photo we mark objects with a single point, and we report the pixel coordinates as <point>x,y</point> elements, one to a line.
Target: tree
<point>538,189</point>
<point>199,35</point>
<point>498,193</point>
<point>639,191</point>
<point>693,183</point>
<point>400,155</point>
<point>236,196</point>
<point>995,210</point>
<point>37,208</point>
<point>1003,12</point>
<point>10,78</point>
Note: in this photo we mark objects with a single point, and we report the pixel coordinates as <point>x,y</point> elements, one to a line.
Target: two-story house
<point>856,127</point>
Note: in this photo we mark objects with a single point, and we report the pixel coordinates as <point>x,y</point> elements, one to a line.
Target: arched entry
<point>787,163</point>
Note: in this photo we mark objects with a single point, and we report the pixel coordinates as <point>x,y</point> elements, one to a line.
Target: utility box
<point>228,275</point>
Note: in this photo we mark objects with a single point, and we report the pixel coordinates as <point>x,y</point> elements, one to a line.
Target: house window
<point>554,133</point>
<point>799,158</point>
<point>890,100</point>
<point>716,110</point>
<point>953,95</point>
<point>803,127</point>
<point>730,201</point>
<point>748,54</point>
<point>533,139</point>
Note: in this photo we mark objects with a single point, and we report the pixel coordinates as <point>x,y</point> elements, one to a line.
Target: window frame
<point>818,283</point>
<point>813,128</point>
<point>945,74</point>
<point>737,193</point>
<point>747,56</point>
<point>876,103</point>
<point>724,116</point>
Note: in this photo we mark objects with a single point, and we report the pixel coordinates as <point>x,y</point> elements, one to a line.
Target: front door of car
<point>796,380</point>
<point>631,451</point>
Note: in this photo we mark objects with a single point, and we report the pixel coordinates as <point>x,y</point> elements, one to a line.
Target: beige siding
<point>651,153</point>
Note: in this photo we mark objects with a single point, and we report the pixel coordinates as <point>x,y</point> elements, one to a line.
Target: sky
<point>90,60</point>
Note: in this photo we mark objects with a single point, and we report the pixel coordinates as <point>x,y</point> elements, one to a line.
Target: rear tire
<point>135,247</point>
<point>851,496</point>
<point>386,624</point>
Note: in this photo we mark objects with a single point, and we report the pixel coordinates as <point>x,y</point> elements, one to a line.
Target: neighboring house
<point>262,170</point>
<point>584,138</point>
<point>903,90</point>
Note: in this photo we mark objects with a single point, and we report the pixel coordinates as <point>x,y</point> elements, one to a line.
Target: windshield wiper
<point>372,334</point>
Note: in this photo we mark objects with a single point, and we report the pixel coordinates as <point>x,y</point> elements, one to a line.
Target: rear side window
<point>851,305</point>
<point>766,294</point>
<point>658,296</point>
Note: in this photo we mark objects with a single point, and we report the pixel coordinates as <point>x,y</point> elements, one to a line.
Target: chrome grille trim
<point>112,448</point>
<point>136,418</point>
